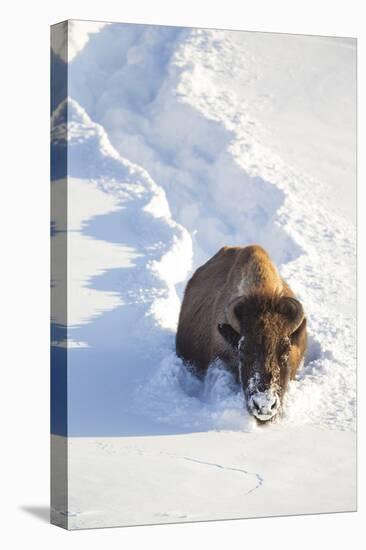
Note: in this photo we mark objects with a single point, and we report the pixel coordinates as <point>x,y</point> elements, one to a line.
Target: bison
<point>237,308</point>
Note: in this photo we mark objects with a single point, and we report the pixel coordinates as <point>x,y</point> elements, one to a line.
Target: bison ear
<point>230,334</point>
<point>293,311</point>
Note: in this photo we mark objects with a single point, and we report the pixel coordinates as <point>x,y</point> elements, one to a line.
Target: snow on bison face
<point>262,349</point>
<point>264,373</point>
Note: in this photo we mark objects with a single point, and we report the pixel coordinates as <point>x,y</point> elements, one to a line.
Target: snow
<point>208,476</point>
<point>78,34</point>
<point>179,142</point>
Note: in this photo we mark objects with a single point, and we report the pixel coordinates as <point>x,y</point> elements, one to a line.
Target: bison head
<point>260,331</point>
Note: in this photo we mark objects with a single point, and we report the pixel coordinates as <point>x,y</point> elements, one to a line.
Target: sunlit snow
<point>179,142</point>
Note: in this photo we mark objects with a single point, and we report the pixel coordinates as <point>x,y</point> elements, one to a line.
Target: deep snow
<point>181,141</point>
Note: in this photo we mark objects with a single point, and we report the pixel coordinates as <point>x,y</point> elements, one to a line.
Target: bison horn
<point>231,316</point>
<point>293,311</point>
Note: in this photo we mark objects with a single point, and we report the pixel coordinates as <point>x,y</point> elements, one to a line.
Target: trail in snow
<point>173,102</point>
<point>141,99</point>
<point>221,467</point>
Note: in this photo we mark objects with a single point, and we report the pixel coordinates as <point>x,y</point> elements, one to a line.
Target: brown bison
<point>237,308</point>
